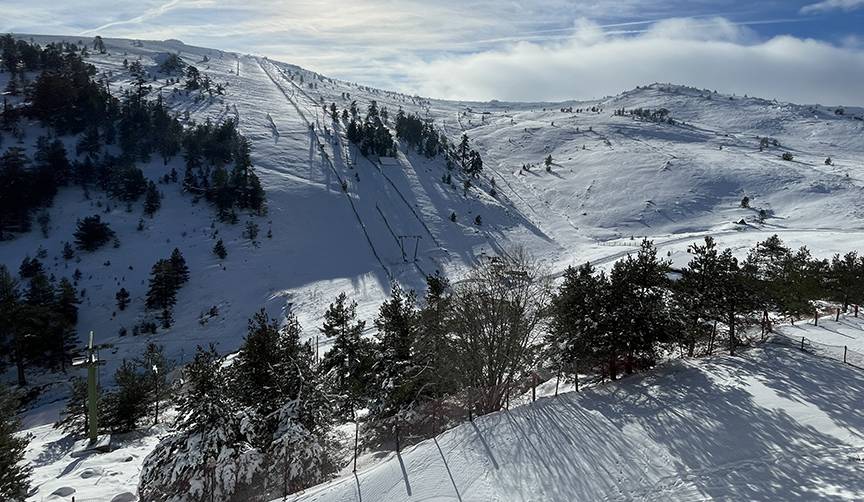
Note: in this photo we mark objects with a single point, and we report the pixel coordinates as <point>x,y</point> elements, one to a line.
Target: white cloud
<point>828,5</point>
<point>787,68</point>
<point>483,49</point>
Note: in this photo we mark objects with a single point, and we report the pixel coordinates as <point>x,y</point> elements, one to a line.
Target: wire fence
<point>837,352</point>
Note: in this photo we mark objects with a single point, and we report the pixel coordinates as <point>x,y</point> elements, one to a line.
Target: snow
<point>613,181</point>
<point>773,424</point>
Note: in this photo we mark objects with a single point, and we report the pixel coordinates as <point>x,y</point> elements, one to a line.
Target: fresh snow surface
<point>773,424</point>
<point>613,181</point>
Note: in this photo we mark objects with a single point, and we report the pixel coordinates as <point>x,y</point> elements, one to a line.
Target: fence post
<point>802,343</point>
<point>356,439</point>
<point>815,317</point>
<point>534,387</point>
<point>837,319</point>
<point>397,433</point>
<point>557,380</point>
<point>845,348</point>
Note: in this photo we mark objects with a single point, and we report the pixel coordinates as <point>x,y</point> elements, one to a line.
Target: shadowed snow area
<point>774,424</point>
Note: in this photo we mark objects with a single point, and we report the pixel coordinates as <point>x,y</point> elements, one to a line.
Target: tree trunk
<point>612,370</point>
<point>19,361</point>
<point>711,340</point>
<point>731,332</point>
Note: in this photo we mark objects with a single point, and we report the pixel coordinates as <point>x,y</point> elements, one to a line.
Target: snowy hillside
<point>338,221</point>
<point>775,424</point>
<point>612,178</point>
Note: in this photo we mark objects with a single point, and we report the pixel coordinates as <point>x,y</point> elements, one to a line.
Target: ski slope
<point>773,424</point>
<point>613,180</point>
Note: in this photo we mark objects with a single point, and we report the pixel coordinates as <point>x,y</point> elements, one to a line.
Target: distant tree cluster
<point>39,318</point>
<point>660,115</point>
<point>468,158</point>
<point>371,134</point>
<point>210,148</point>
<point>419,134</point>
<point>195,80</point>
<point>66,99</point>
<point>172,64</point>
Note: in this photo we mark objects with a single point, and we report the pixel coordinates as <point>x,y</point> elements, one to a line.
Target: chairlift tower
<point>92,362</point>
<point>402,239</point>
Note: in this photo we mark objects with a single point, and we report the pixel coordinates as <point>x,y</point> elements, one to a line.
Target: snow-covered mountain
<point>340,222</point>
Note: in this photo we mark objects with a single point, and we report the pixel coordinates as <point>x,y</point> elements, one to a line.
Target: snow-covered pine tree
<point>580,332</point>
<point>14,473</point>
<point>349,362</point>
<point>397,331</point>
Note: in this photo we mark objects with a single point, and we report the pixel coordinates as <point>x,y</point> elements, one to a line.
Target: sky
<point>805,51</point>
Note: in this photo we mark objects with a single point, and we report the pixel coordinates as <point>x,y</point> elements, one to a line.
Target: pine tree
<point>68,251</point>
<point>580,332</point>
<point>128,403</point>
<point>156,368</point>
<point>162,290</point>
<point>14,473</point>
<point>90,143</point>
<point>463,149</point>
<point>203,398</point>
<point>73,418</point>
<point>397,332</point>
<point>433,350</point>
<point>178,264</point>
<point>67,311</point>
<point>122,297</point>
<point>638,293</point>
<point>845,281</point>
<point>350,360</point>
<point>92,233</point>
<point>272,365</point>
<point>219,250</point>
<point>11,309</point>
<point>152,199</point>
<point>697,293</point>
